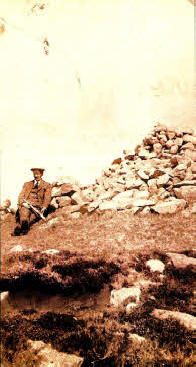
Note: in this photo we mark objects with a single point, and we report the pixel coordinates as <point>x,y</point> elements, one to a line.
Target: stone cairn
<point>158,176</point>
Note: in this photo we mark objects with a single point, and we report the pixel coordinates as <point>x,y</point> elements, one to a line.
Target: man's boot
<point>24,227</point>
<point>16,231</point>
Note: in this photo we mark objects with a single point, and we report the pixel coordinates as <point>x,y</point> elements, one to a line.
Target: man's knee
<point>24,214</point>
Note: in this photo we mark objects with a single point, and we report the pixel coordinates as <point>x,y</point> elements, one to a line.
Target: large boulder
<point>77,198</point>
<point>68,188</point>
<point>133,183</point>
<point>56,191</point>
<point>51,357</point>
<point>163,180</point>
<point>188,321</point>
<point>88,194</point>
<point>108,205</point>
<point>143,194</point>
<point>170,206</point>
<point>63,201</point>
<point>185,183</point>
<point>123,195</point>
<point>181,261</point>
<point>190,154</point>
<point>187,193</point>
<point>189,139</point>
<point>118,297</point>
<point>65,180</point>
<point>143,202</point>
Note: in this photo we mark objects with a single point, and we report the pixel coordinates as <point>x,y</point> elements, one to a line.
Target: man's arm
<point>47,196</point>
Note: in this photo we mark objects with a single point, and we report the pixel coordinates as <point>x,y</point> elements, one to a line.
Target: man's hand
<point>43,209</point>
<point>26,205</point>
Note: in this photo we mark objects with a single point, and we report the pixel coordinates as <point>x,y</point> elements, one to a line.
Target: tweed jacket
<point>44,193</point>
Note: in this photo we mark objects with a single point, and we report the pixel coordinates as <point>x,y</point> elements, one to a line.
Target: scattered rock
<point>51,251</point>
<point>56,191</point>
<point>54,203</point>
<point>169,207</point>
<point>143,175</point>
<point>136,338</point>
<point>189,139</point>
<point>144,194</point>
<point>187,193</point>
<point>188,321</point>
<point>107,205</point>
<point>130,307</point>
<point>143,202</point>
<point>133,183</point>
<point>123,195</point>
<point>155,265</point>
<point>188,146</point>
<point>17,248</point>
<point>65,180</point>
<point>174,149</point>
<point>118,297</point>
<point>52,358</point>
<point>76,199</point>
<point>76,215</point>
<point>63,201</point>
<point>185,183</point>
<point>163,180</point>
<point>181,261</point>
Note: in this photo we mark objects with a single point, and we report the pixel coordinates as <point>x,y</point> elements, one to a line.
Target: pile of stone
<point>67,196</point>
<point>158,176</point>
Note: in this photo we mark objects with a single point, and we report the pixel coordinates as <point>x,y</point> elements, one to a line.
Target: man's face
<point>37,174</point>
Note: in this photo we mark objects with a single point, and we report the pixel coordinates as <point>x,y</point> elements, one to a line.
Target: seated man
<point>36,193</point>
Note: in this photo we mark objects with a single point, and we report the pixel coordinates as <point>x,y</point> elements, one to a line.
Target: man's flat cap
<point>38,169</point>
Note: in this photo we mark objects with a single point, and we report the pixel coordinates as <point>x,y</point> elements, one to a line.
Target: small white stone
<point>130,306</point>
<point>136,337</point>
<point>4,296</point>
<point>76,215</point>
<point>17,248</point>
<point>51,251</point>
<point>155,265</point>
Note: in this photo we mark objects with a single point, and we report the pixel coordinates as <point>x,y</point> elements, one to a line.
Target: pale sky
<point>113,68</point>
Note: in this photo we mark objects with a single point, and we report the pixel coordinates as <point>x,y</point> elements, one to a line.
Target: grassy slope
<point>109,234</point>
<point>122,239</point>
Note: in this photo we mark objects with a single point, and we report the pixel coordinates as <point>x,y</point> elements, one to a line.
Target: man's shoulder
<point>46,184</point>
<point>28,183</point>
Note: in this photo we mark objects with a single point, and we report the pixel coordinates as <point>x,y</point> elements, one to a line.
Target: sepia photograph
<point>98,183</point>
